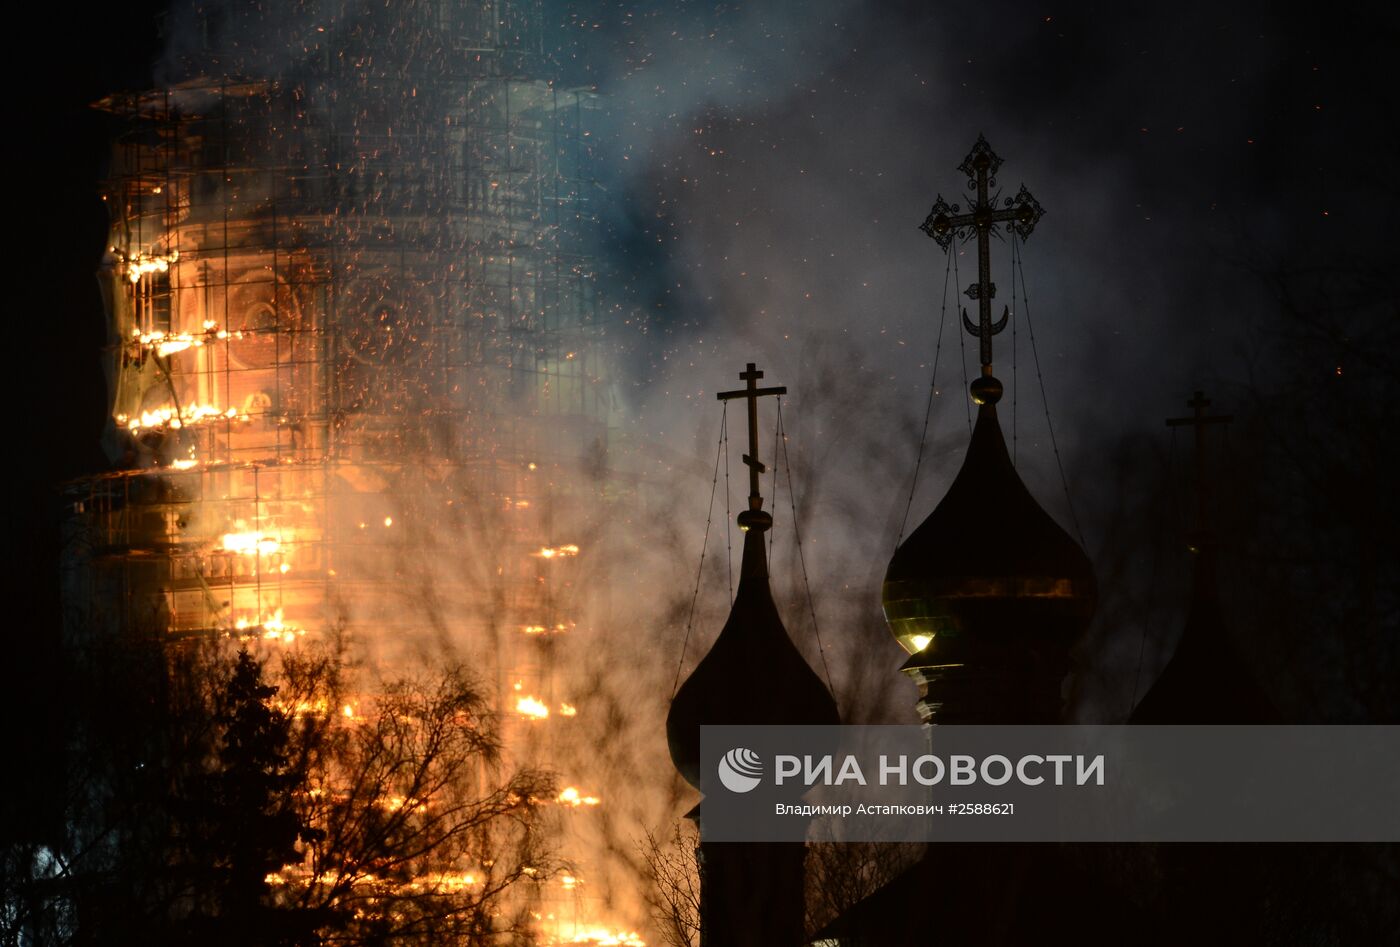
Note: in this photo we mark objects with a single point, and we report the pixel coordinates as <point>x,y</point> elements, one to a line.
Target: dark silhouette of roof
<point>753,674</point>
<point>996,592</point>
<point>988,563</point>
<point>1206,680</point>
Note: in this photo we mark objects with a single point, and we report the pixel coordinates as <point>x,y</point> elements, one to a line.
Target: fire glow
<point>272,628</point>
<point>169,343</point>
<point>141,264</point>
<point>571,796</point>
<point>274,370</point>
<point>251,543</point>
<point>558,628</point>
<point>578,936</point>
<point>404,803</point>
<point>174,418</point>
<point>531,707</point>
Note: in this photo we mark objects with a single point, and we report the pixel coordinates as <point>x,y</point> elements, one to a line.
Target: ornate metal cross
<point>946,222</point>
<point>752,392</point>
<point>1199,420</point>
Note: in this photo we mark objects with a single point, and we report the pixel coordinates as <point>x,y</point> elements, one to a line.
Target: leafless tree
<point>839,876</point>
<point>673,891</point>
<point>213,794</point>
<point>423,835</point>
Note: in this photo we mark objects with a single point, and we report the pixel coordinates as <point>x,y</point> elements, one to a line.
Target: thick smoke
<point>779,162</point>
<point>770,165</point>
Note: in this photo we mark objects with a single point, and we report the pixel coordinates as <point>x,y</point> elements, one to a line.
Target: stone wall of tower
<point>357,362</point>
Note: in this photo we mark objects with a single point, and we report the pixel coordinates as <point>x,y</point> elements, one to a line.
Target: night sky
<point>1221,214</point>
<point>771,167</point>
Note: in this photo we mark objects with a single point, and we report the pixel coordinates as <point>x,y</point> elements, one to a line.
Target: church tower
<point>358,360</point>
<point>989,593</point>
<point>1206,680</point>
<point>751,894</point>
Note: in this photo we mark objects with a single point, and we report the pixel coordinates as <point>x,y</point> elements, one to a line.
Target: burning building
<point>353,322</point>
<point>357,357</point>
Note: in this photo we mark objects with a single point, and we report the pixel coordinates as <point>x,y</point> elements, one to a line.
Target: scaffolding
<point>357,356</point>
<point>309,291</point>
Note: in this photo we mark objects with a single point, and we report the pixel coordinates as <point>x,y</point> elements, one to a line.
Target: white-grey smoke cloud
<point>788,218</point>
<point>770,165</point>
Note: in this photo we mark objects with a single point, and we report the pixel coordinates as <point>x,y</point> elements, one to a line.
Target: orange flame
<point>549,552</point>
<point>572,797</point>
<point>174,419</point>
<point>139,265</point>
<point>251,543</point>
<point>531,707</point>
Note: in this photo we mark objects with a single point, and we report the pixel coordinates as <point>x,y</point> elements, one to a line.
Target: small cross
<point>944,223</point>
<point>752,392</point>
<point>1199,420</point>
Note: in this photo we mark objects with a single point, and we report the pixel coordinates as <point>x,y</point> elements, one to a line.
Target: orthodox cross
<point>1199,420</point>
<point>752,392</point>
<point>946,222</point>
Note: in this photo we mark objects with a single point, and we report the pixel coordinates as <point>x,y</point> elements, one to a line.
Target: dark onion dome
<point>753,674</point>
<point>989,577</point>
<point>1206,680</point>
